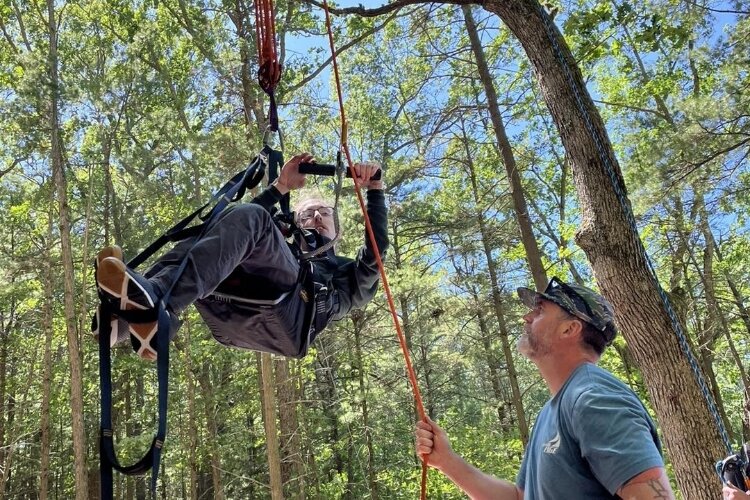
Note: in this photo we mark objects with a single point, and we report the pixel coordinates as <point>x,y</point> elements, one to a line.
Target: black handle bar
<point>329,170</point>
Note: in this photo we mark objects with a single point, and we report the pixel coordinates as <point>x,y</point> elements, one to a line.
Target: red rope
<point>269,69</point>
<point>373,242</point>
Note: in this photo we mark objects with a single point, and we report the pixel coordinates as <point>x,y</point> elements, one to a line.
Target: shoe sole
<point>116,252</point>
<point>113,278</point>
<point>110,251</point>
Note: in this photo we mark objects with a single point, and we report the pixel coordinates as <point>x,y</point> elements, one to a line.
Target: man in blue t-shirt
<point>593,438</point>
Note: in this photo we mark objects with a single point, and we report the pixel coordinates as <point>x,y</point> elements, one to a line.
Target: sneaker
<point>110,251</point>
<point>130,291</point>
<point>118,326</point>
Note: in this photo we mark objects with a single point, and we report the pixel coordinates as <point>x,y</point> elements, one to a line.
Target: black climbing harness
<point>231,191</point>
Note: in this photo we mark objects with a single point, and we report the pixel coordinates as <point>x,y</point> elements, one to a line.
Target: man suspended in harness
<point>247,282</point>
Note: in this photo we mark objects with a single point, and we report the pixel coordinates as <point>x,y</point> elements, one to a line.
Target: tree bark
<point>76,380</point>
<point>213,432</point>
<point>192,417</point>
<point>497,302</point>
<point>616,253</point>
<point>358,319</point>
<point>492,365</point>
<point>269,423</point>
<point>291,458</point>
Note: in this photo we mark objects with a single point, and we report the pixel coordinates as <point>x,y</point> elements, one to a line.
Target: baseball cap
<point>578,300</point>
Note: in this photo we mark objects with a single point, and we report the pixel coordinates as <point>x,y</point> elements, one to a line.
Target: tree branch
<point>635,108</point>
<point>720,11</point>
<point>13,165</point>
<point>341,49</point>
<point>385,9</point>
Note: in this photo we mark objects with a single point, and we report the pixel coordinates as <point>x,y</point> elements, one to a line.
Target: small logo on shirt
<point>552,445</point>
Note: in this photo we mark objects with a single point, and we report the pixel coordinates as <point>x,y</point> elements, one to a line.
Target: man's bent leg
<point>243,235</point>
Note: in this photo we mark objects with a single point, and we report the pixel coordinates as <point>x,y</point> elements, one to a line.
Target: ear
<point>574,327</point>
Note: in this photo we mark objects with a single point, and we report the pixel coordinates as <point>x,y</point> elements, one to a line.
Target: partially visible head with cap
<point>585,304</point>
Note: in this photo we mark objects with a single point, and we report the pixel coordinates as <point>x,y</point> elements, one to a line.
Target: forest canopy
<point>119,118</point>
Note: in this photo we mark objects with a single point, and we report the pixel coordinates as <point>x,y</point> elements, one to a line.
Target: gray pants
<point>242,240</point>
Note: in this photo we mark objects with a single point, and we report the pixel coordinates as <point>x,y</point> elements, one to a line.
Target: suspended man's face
<point>317,215</point>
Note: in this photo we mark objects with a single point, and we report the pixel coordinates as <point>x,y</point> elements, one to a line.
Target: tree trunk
<point>359,322</point>
<point>739,299</point>
<point>492,365</point>
<point>44,449</point>
<point>192,417</point>
<point>213,433</point>
<point>291,461</point>
<point>16,418</point>
<point>616,253</point>
<point>533,256</point>
<point>269,423</point>
<point>76,380</point>
<point>326,377</point>
<point>497,301</point>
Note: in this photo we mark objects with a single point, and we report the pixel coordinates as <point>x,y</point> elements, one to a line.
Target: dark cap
<point>580,301</point>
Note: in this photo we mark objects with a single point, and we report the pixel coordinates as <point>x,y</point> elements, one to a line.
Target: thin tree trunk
<point>16,418</point>
<point>533,256</point>
<point>325,376</point>
<point>76,380</point>
<point>309,455</point>
<point>291,458</point>
<point>192,416</point>
<point>616,254</point>
<point>358,320</point>
<point>492,365</point>
<point>497,301</point>
<point>269,423</point>
<point>739,299</point>
<point>213,433</point>
<point>44,450</point>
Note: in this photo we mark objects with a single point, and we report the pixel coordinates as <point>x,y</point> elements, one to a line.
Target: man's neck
<point>556,368</point>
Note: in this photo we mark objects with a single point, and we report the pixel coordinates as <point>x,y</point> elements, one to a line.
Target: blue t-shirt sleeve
<point>521,477</point>
<point>616,436</point>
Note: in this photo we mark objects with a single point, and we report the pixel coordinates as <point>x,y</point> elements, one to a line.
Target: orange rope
<point>373,242</point>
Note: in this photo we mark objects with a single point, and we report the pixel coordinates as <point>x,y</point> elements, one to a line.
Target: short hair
<point>591,337</point>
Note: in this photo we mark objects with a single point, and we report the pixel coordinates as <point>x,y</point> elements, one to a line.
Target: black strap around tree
<point>233,190</point>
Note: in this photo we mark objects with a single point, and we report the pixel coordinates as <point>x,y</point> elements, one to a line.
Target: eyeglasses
<point>308,214</point>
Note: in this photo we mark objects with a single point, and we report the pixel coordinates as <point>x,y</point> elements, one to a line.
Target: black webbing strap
<point>107,456</point>
<point>231,191</point>
<point>274,160</point>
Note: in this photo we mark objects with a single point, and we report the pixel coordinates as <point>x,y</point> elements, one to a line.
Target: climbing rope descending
<point>269,69</point>
<point>610,170</point>
<point>383,278</point>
